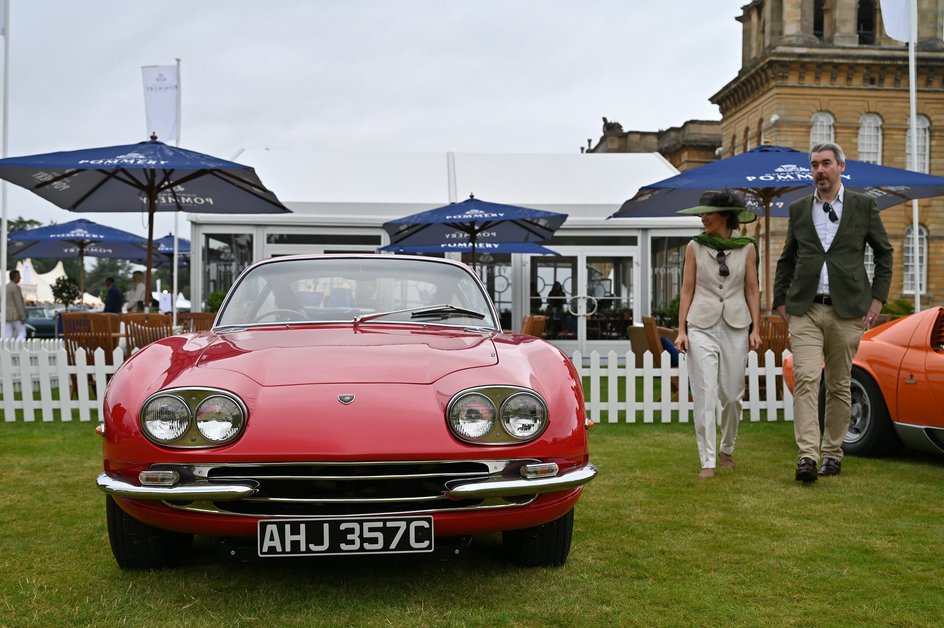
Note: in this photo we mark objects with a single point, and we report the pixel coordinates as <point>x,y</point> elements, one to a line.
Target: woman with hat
<point>719,320</point>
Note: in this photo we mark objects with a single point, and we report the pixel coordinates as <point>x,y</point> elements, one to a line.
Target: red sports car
<point>355,404</point>
<point>897,386</point>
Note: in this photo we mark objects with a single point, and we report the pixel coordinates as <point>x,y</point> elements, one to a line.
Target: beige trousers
<point>717,359</point>
<point>817,336</point>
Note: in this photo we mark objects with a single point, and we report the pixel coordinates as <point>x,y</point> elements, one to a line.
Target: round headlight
<point>165,418</point>
<point>219,418</point>
<point>472,416</point>
<point>523,416</point>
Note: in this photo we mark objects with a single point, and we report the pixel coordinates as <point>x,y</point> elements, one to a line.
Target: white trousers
<point>717,359</point>
<point>15,330</point>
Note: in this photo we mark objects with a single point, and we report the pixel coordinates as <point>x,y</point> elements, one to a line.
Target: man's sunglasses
<point>722,264</point>
<point>832,212</point>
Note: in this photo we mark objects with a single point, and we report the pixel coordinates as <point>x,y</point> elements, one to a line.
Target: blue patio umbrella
<point>79,238</point>
<point>466,247</point>
<point>771,178</point>
<point>164,249</point>
<point>476,222</point>
<point>149,176</point>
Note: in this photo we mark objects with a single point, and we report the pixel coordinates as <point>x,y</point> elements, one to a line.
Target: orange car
<point>897,386</point>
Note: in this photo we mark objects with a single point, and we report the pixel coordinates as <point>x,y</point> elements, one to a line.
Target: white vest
<point>717,296</point>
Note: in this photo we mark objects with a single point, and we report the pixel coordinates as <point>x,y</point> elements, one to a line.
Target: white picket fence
<point>41,367</point>
<point>760,401</point>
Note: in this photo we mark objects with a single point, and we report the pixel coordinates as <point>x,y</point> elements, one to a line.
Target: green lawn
<point>654,545</point>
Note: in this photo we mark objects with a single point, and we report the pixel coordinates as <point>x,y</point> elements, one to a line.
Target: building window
<point>870,138</point>
<point>225,255</point>
<point>908,257</point>
<point>818,30</point>
<point>923,133</point>
<point>869,263</point>
<point>822,129</point>
<point>865,22</point>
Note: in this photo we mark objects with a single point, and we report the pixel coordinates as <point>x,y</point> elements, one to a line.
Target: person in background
<point>15,324</point>
<point>113,297</point>
<point>135,296</point>
<point>823,293</point>
<point>719,320</point>
<point>556,298</point>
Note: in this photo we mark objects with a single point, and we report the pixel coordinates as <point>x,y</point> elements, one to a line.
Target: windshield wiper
<point>445,311</point>
<point>430,311</point>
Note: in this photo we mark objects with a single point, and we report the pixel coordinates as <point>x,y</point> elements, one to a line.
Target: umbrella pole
<point>81,275</point>
<point>152,206</point>
<point>767,295</point>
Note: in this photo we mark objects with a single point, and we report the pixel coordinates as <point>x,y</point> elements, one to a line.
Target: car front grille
<point>337,488</point>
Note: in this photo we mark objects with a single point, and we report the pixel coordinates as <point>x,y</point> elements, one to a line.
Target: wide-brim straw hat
<point>744,215</point>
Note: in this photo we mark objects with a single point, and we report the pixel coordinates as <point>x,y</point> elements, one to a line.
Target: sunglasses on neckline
<point>723,269</point>
<point>832,212</point>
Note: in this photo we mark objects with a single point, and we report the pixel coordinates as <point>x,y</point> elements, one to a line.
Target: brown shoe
<point>727,460</point>
<point>831,466</point>
<point>707,472</point>
<point>806,470</point>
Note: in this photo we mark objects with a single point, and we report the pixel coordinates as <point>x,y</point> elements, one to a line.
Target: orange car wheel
<point>871,432</point>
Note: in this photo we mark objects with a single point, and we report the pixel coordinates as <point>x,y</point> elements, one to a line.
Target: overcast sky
<point>516,76</point>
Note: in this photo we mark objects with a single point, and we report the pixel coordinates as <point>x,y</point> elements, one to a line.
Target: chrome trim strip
<point>186,492</point>
<point>307,478</point>
<point>338,500</point>
<point>211,508</point>
<point>502,488</point>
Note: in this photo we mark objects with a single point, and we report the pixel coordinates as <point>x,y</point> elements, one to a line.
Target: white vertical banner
<point>161,101</point>
<point>896,15</point>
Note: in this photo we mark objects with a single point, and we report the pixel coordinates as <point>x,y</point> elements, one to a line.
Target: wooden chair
<point>775,337</point>
<point>654,334</point>
<point>533,325</point>
<point>195,321</point>
<point>143,329</point>
<point>89,331</point>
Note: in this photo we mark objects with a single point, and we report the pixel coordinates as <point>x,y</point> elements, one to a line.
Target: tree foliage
<point>65,291</point>
<point>118,268</point>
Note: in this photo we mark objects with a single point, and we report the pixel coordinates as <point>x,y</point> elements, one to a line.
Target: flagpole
<point>173,296</point>
<point>4,278</point>
<point>912,129</point>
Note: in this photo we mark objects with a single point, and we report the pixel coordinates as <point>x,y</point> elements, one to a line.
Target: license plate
<point>352,535</point>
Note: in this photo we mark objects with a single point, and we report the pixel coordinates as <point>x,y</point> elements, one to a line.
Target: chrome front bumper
<point>184,492</point>
<point>475,489</point>
<point>505,488</point>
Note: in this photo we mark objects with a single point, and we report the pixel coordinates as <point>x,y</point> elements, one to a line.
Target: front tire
<point>871,432</point>
<point>137,545</point>
<point>545,545</point>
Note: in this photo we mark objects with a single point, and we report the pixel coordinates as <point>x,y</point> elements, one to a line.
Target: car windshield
<point>366,291</point>
<point>38,312</point>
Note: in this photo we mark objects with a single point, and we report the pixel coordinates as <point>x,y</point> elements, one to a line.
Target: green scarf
<point>723,244</point>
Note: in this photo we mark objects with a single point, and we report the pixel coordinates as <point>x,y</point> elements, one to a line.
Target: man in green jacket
<point>822,291</point>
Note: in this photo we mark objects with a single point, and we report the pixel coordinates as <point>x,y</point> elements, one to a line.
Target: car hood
<point>281,356</point>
